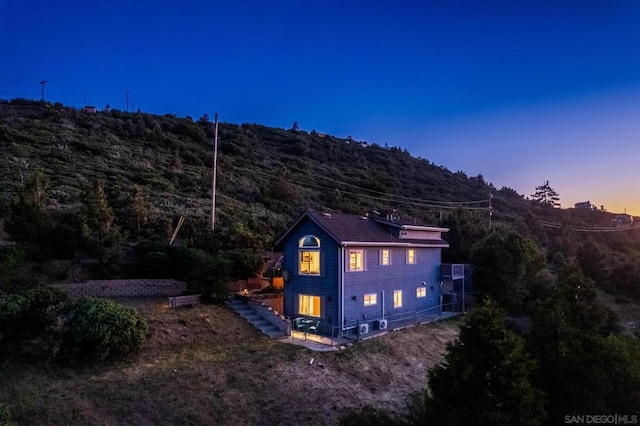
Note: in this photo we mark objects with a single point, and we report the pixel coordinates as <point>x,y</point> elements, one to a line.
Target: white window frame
<point>421,291</point>
<point>309,245</point>
<point>307,305</point>
<point>385,260</point>
<point>370,299</point>
<point>359,255</point>
<point>397,299</point>
<point>411,256</point>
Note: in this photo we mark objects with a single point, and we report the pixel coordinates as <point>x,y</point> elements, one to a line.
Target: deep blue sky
<point>520,92</point>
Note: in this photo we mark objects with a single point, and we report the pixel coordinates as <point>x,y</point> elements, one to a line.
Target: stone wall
<point>124,288</point>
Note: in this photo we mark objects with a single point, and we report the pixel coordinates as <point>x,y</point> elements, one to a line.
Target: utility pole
<point>42,83</point>
<point>127,99</point>
<point>213,177</point>
<point>490,208</point>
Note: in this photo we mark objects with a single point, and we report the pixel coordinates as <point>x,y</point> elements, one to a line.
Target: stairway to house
<point>249,314</point>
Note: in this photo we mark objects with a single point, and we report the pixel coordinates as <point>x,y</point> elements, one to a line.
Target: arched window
<point>309,241</point>
<point>309,249</point>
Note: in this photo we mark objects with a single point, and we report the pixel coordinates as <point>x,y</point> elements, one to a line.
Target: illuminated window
<point>356,260</point>
<point>397,299</point>
<point>411,256</point>
<point>309,305</point>
<point>385,257</point>
<point>309,255</point>
<point>370,299</point>
<point>421,291</point>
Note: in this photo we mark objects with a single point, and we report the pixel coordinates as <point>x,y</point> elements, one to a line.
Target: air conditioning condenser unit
<point>363,328</point>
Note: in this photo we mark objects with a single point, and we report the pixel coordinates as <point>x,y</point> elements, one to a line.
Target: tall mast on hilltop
<point>42,83</point>
<point>213,177</point>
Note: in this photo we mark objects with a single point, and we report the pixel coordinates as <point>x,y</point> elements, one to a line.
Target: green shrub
<point>27,322</point>
<point>5,415</point>
<point>210,280</point>
<point>101,330</point>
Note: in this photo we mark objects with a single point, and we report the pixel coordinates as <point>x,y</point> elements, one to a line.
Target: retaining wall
<point>124,288</point>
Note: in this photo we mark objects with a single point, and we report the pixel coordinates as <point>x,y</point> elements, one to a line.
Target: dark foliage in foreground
<point>100,330</point>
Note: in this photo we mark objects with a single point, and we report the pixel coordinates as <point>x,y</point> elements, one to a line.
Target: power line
<point>389,198</point>
<point>571,227</point>
<point>397,198</point>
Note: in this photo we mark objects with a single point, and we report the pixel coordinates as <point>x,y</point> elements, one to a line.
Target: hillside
<point>206,365</point>
<point>86,195</point>
<point>272,173</point>
<point>266,176</point>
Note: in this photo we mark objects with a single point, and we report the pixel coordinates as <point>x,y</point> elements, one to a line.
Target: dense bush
<point>28,311</point>
<point>506,267</point>
<point>5,415</point>
<point>210,280</point>
<point>101,330</point>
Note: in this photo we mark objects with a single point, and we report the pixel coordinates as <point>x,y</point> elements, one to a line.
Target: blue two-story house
<point>356,274</point>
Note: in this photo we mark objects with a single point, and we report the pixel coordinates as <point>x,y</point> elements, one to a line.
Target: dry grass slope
<point>205,365</point>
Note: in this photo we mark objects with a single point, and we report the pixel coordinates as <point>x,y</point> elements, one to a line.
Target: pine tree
<point>546,195</point>
<point>486,377</point>
<point>102,237</point>
<point>28,222</point>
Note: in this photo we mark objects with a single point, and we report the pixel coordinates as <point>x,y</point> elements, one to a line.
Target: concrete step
<point>276,334</point>
<point>250,316</point>
<point>255,319</point>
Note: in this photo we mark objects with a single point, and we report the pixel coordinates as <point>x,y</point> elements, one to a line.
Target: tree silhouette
<point>486,377</point>
<point>546,195</point>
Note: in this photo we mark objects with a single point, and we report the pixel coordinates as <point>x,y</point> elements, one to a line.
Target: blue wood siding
<point>325,285</point>
<point>383,280</point>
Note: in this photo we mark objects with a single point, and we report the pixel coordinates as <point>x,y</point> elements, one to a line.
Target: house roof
<point>353,230</point>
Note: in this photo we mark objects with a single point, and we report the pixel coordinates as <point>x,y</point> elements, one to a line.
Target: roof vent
<point>325,214</point>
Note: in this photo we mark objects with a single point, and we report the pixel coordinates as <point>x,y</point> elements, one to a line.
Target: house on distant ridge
<point>622,220</point>
<point>357,274</point>
<point>584,205</point>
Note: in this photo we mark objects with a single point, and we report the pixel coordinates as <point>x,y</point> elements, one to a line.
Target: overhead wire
<point>396,198</point>
<point>434,204</point>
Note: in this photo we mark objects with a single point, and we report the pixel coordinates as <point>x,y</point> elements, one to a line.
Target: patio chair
<point>297,324</point>
<point>314,328</point>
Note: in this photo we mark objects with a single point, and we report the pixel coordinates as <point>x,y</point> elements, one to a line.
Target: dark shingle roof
<point>346,228</point>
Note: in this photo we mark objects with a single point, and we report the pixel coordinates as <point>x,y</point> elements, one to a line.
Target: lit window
<point>411,256</point>
<point>310,262</point>
<point>385,257</point>
<point>309,255</point>
<point>309,305</point>
<point>421,292</point>
<point>370,299</point>
<point>397,299</point>
<point>356,260</point>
